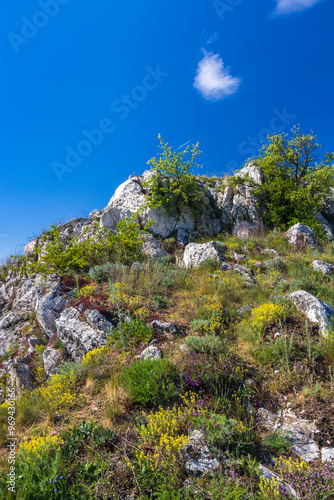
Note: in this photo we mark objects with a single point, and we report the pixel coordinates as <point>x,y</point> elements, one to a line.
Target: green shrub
<point>150,381</point>
<point>102,247</point>
<point>172,186</point>
<point>228,434</point>
<point>130,332</point>
<point>296,185</point>
<point>106,272</point>
<point>209,344</point>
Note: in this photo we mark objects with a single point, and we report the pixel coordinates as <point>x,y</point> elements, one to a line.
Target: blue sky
<point>87,86</point>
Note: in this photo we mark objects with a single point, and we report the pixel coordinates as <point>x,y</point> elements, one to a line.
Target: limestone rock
<point>151,353</point>
<point>10,331</point>
<point>78,336</point>
<point>162,327</point>
<point>196,253</point>
<point>327,228</point>
<point>51,360</point>
<point>20,375</point>
<point>327,454</point>
<point>50,302</point>
<point>301,433</point>
<point>314,309</point>
<point>153,247</point>
<point>269,474</point>
<point>301,236</point>
<point>253,172</point>
<point>198,456</point>
<point>323,267</point>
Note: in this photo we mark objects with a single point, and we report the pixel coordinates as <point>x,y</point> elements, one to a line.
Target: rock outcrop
<point>301,236</point>
<point>78,335</point>
<point>314,309</point>
<point>323,267</point>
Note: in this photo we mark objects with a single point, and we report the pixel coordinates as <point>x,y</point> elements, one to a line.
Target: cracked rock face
<point>51,360</point>
<point>153,247</point>
<point>301,431</point>
<point>314,309</point>
<point>78,336</point>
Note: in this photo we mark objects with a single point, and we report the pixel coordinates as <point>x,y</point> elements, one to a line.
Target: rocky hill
<point>179,355</point>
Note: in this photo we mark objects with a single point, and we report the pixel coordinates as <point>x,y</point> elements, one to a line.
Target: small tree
<point>297,180</point>
<point>172,185</point>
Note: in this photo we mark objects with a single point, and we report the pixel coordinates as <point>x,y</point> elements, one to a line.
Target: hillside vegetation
<point>209,378</point>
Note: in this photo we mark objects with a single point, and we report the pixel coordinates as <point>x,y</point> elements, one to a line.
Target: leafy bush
<point>172,185</point>
<point>102,274</point>
<point>296,185</point>
<point>37,471</point>
<point>209,344</point>
<point>150,381</point>
<point>130,332</point>
<point>103,246</point>
<point>229,434</point>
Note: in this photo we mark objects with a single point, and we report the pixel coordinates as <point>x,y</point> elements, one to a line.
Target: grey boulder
<point>314,309</point>
<point>196,253</point>
<point>301,236</point>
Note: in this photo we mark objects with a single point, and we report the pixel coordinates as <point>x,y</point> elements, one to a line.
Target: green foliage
<point>150,381</point>
<point>76,437</point>
<point>130,332</point>
<point>210,344</point>
<point>296,184</point>
<point>172,186</point>
<point>210,265</point>
<point>279,441</point>
<point>227,434</point>
<point>103,246</point>
<point>102,274</point>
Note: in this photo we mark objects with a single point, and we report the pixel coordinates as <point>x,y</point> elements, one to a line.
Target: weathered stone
<point>303,443</point>
<point>151,353</point>
<point>97,321</point>
<point>162,327</point>
<point>271,476</point>
<point>30,248</point>
<point>10,331</point>
<point>51,301</point>
<point>253,172</point>
<point>34,341</point>
<point>20,375</point>
<point>314,309</point>
<point>51,360</point>
<point>327,454</point>
<point>153,247</point>
<point>323,267</point>
<point>78,336</point>
<point>266,418</point>
<point>236,256</point>
<point>326,227</point>
<point>301,236</point>
<point>198,456</point>
<point>196,253</point>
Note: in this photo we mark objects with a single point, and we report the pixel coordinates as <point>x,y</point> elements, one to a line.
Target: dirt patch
<point>297,326</point>
<point>321,410</point>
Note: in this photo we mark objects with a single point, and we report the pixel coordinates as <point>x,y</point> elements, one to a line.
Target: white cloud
<point>289,6</point>
<point>213,80</point>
